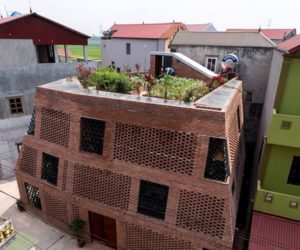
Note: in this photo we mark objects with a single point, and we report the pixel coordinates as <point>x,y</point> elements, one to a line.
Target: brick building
<point>143,173</point>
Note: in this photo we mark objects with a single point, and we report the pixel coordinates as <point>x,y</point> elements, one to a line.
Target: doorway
<point>103,229</point>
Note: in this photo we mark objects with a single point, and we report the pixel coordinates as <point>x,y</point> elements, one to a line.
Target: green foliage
<point>108,79</point>
<point>76,227</point>
<point>179,88</point>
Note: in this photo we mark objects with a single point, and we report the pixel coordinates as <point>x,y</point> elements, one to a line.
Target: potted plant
<point>76,227</point>
<point>20,205</point>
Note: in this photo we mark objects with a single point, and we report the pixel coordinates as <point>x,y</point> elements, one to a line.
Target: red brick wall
<point>190,194</point>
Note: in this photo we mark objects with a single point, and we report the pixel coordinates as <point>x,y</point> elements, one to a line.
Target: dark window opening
<point>45,53</point>
<point>249,96</point>
<point>233,187</point>
<point>286,125</point>
<point>238,118</point>
<point>30,130</point>
<point>50,168</point>
<point>33,196</point>
<point>255,110</point>
<point>294,176</point>
<point>92,135</point>
<point>216,162</point>
<point>153,199</point>
<point>211,63</point>
<point>128,49</point>
<point>15,104</point>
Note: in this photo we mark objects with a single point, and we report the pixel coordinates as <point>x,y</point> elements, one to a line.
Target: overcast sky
<point>89,16</point>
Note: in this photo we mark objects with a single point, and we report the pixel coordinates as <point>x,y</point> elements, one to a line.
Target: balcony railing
<point>275,203</point>
<point>284,130</point>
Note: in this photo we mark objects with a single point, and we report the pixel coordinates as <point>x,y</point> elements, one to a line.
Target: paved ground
<point>47,236</point>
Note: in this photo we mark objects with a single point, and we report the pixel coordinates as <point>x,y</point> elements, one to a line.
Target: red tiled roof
<point>275,34</point>
<point>271,232</point>
<point>197,27</point>
<point>291,46</point>
<point>148,31</point>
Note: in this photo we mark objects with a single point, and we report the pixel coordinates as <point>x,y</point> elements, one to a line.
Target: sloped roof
<point>276,34</point>
<point>40,29</point>
<point>197,27</point>
<point>291,46</point>
<point>146,31</point>
<point>272,232</point>
<point>227,39</point>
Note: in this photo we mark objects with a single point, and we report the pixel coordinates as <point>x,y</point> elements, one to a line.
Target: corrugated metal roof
<point>197,27</point>
<point>271,232</point>
<point>146,31</point>
<point>237,39</point>
<point>291,46</point>
<point>276,34</point>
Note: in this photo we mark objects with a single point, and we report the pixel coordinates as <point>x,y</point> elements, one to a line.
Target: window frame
<point>146,193</point>
<point>46,169</point>
<point>34,201</point>
<point>14,98</point>
<point>294,173</point>
<point>128,48</point>
<point>207,65</point>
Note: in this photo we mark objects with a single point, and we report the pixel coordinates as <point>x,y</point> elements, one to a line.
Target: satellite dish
<point>230,61</point>
<point>15,13</point>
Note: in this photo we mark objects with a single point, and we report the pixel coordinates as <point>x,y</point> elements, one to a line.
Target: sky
<point>92,16</point>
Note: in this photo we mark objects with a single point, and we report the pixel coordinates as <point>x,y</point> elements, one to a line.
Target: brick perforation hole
<point>55,126</point>
<point>139,238</point>
<point>64,177</point>
<point>157,148</point>
<point>101,185</point>
<point>201,213</point>
<point>56,208</point>
<point>28,162</point>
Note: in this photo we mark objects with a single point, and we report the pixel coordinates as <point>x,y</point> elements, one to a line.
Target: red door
<point>103,229</point>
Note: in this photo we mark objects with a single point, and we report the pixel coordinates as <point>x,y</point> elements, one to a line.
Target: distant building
<point>276,216</point>
<point>206,27</point>
<point>29,58</point>
<point>276,35</point>
<point>143,173</point>
<point>129,45</point>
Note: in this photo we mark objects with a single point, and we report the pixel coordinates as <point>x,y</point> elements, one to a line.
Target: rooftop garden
<point>144,84</point>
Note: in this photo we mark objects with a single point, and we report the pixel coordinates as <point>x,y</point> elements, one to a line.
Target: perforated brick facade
<point>165,144</point>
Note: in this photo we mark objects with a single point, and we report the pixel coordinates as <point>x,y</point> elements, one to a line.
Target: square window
<point>286,124</point>
<point>92,135</point>
<point>294,175</point>
<point>15,104</point>
<point>50,168</point>
<point>211,63</point>
<point>153,199</point>
<point>33,196</point>
<point>217,160</point>
<point>249,96</point>
<point>128,49</point>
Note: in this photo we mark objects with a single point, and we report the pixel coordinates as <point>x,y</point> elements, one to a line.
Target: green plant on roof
<point>76,226</point>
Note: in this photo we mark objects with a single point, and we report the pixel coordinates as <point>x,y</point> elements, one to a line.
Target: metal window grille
<point>33,196</point>
<point>15,104</point>
<point>92,135</point>
<point>153,199</point>
<point>217,159</point>
<point>50,168</point>
<point>294,175</point>
<point>30,130</point>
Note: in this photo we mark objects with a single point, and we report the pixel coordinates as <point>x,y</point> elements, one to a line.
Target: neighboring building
<point>276,35</point>
<point>276,207</point>
<point>129,45</point>
<point>28,58</point>
<point>205,27</point>
<point>143,173</point>
<point>255,53</point>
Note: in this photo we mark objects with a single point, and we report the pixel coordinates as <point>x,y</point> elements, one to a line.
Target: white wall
<point>115,50</point>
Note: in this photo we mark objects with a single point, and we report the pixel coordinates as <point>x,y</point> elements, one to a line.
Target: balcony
<point>279,204</point>
<point>284,130</point>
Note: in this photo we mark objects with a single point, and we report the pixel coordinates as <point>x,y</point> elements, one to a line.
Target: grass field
<point>94,50</point>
